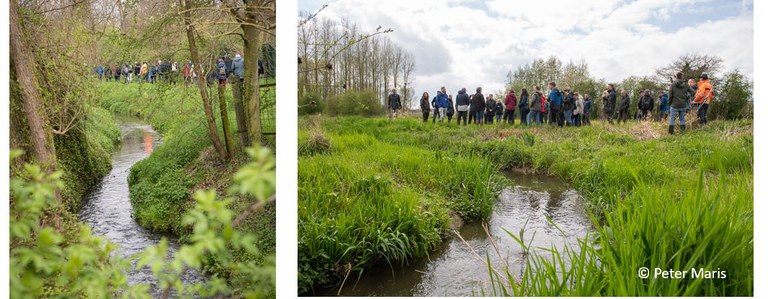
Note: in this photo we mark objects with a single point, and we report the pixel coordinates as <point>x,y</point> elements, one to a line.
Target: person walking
<point>221,74</point>
<point>425,106</point>
<point>522,106</point>
<point>393,103</point>
<point>555,104</point>
<point>510,103</point>
<point>678,101</point>
<point>578,111</point>
<point>236,78</point>
<point>704,95</point>
<point>645,104</point>
<point>624,107</point>
<point>450,108</point>
<point>587,110</point>
<point>462,106</point>
<point>609,103</point>
<point>478,105</point>
<point>663,105</point>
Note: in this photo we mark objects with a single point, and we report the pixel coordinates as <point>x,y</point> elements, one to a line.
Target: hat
<point>704,76</point>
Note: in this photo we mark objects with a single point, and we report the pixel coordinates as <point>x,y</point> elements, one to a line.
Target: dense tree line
<point>336,57</point>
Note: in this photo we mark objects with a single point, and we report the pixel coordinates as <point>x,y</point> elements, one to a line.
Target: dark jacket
<point>490,106</point>
<point>393,101</point>
<point>678,94</point>
<point>499,108</point>
<point>624,105</point>
<point>462,99</point>
<point>645,102</point>
<point>523,104</point>
<point>568,103</point>
<point>425,105</point>
<point>478,103</point>
<point>587,105</point>
<point>610,102</point>
<point>450,110</point>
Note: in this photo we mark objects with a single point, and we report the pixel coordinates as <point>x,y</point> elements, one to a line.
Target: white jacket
<point>579,106</point>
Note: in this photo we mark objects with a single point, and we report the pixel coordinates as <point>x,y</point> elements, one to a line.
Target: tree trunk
<point>24,65</point>
<point>200,82</point>
<point>252,86</point>
<point>225,121</point>
<point>240,113</point>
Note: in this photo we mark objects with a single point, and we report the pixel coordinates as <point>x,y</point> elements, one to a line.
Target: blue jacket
<point>555,98</point>
<point>442,101</point>
<point>237,66</point>
<point>664,103</point>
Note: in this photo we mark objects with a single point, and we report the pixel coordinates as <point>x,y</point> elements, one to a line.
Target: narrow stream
<point>454,270</point>
<point>107,209</point>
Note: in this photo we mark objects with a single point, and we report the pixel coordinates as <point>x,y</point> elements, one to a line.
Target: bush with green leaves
<point>42,264</point>
<point>363,102</point>
<point>311,103</point>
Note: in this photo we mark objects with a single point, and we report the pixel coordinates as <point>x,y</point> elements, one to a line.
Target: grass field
<point>374,190</point>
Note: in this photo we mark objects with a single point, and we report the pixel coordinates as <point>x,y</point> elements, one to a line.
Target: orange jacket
<point>704,92</point>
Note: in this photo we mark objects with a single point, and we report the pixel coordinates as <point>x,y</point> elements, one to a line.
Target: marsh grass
<point>655,200</point>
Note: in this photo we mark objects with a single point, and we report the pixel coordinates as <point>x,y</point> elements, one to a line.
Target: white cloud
<point>465,43</point>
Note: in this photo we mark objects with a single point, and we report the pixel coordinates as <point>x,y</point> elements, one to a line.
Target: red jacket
<point>510,102</point>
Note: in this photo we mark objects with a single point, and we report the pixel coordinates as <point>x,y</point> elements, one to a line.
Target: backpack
<point>222,70</point>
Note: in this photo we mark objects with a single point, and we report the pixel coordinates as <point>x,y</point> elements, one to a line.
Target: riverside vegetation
<point>374,191</point>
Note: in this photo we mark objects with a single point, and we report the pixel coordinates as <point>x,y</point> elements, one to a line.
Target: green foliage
<point>43,264</point>
<point>311,103</point>
<point>364,102</point>
<point>638,182</point>
<point>732,95</point>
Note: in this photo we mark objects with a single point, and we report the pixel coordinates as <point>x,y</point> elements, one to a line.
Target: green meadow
<point>375,191</point>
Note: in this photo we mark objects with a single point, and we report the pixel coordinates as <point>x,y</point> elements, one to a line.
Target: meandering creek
<point>107,208</point>
<point>454,269</point>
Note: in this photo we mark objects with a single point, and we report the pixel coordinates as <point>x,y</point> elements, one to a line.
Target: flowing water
<point>107,208</point>
<point>455,269</point>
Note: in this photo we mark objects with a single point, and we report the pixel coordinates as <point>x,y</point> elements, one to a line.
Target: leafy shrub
<point>364,103</point>
<point>311,103</point>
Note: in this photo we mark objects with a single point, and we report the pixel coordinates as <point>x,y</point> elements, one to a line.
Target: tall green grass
<point>640,184</point>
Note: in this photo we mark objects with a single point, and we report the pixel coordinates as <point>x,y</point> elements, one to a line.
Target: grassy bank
<point>161,185</point>
<point>639,183</point>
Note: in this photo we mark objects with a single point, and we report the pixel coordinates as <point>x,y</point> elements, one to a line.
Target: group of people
<point>566,107</point>
<point>142,72</point>
<point>170,71</point>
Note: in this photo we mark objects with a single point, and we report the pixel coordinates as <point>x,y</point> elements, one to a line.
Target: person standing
<point>510,103</point>
<point>523,107</point>
<point>555,103</point>
<point>478,105</point>
<point>537,107</point>
<point>692,87</point>
<point>568,106</point>
<point>450,110</point>
<point>143,72</point>
<point>221,75</point>
<point>425,107</point>
<point>587,110</point>
<point>462,106</point>
<point>100,71</point>
<point>704,96</point>
<point>578,111</point>
<point>434,107</point>
<point>609,102</point>
<point>663,105</point>
<point>624,107</point>
<point>678,101</point>
<point>499,110</point>
<point>236,79</point>
<point>393,102</point>
<point>442,103</point>
<point>645,104</point>
<point>107,72</point>
<point>490,109</point>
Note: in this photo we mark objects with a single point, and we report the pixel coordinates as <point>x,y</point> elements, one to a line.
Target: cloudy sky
<point>469,43</point>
